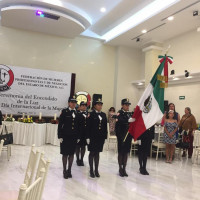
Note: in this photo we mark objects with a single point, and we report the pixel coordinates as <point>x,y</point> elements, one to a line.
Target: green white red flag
<point>150,108</point>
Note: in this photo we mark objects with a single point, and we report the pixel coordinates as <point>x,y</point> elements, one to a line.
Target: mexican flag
<point>150,108</point>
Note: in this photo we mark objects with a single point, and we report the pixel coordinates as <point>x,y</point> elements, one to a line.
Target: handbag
<point>180,130</point>
<point>8,137</point>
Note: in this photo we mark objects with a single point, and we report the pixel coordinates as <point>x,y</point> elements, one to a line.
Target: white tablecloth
<point>51,134</point>
<point>27,134</point>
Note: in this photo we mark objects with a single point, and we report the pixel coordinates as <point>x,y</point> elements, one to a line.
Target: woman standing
<point>111,120</point>
<point>170,135</point>
<point>97,135</point>
<point>124,139</point>
<point>188,123</point>
<point>83,127</point>
<point>68,134</point>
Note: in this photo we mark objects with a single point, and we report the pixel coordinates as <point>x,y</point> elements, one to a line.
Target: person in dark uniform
<point>83,127</point>
<point>124,139</point>
<point>68,134</point>
<point>0,118</point>
<point>144,142</point>
<point>97,135</point>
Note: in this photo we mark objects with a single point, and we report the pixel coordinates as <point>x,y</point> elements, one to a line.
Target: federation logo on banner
<point>6,78</point>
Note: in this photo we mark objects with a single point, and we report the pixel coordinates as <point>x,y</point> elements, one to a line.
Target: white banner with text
<point>33,91</point>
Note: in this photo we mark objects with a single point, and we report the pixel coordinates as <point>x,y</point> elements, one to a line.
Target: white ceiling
<point>80,15</point>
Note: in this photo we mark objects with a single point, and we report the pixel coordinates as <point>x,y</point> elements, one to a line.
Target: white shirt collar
<point>71,109</point>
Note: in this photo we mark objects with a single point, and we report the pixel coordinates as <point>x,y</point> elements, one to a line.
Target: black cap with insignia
<point>72,99</point>
<point>125,101</point>
<point>83,103</point>
<point>99,100</point>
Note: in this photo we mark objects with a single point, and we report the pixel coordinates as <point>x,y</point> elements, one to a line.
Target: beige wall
<point>128,66</point>
<point>91,60</point>
<point>185,50</point>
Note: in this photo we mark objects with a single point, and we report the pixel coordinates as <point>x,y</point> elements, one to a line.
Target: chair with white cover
<point>133,147</point>
<point>111,139</point>
<point>31,167</point>
<point>34,191</point>
<point>158,141</point>
<point>196,145</point>
<point>1,146</point>
<point>42,164</point>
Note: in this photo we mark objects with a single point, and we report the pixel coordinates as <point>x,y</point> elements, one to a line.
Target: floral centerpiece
<point>54,121</point>
<point>25,120</point>
<point>9,119</point>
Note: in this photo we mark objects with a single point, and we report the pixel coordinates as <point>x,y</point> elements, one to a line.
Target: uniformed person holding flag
<point>124,139</point>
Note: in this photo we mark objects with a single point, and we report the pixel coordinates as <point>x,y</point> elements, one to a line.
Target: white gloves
<point>88,141</point>
<point>78,140</point>
<point>61,140</point>
<point>131,119</point>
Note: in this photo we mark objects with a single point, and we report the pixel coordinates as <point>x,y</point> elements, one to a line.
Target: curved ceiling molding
<point>70,9</point>
<point>24,17</point>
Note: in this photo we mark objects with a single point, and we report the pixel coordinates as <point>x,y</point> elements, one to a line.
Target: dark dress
<point>121,129</point>
<point>0,118</point>
<point>83,127</point>
<point>146,140</point>
<point>68,130</point>
<point>97,131</point>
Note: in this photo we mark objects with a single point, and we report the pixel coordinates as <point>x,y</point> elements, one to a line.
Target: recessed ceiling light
<point>170,18</point>
<point>144,31</point>
<point>103,9</point>
<point>140,83</point>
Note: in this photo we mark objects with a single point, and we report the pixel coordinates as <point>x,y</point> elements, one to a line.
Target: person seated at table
<point>68,134</point>
<point>170,128</point>
<point>83,128</point>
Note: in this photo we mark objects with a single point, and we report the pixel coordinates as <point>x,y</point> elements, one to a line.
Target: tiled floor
<point>179,180</point>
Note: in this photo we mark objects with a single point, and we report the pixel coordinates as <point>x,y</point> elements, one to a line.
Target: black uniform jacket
<point>83,124</point>
<point>97,128</point>
<point>122,124</point>
<point>68,125</point>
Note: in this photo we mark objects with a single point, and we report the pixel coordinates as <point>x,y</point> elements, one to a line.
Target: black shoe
<point>189,156</point>
<point>65,175</point>
<point>78,162</point>
<point>124,172</point>
<point>97,174</point>
<point>146,172</point>
<point>142,171</point>
<point>69,174</point>
<point>81,163</point>
<point>92,174</point>
<point>121,173</point>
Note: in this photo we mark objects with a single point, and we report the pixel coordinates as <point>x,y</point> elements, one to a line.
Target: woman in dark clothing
<point>145,141</point>
<point>83,128</point>
<point>97,135</point>
<point>0,118</point>
<point>124,139</point>
<point>68,134</point>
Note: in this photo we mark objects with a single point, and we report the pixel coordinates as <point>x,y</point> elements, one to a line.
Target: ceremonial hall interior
<point>107,48</point>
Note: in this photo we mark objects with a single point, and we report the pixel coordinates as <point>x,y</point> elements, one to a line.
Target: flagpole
<point>125,136</point>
